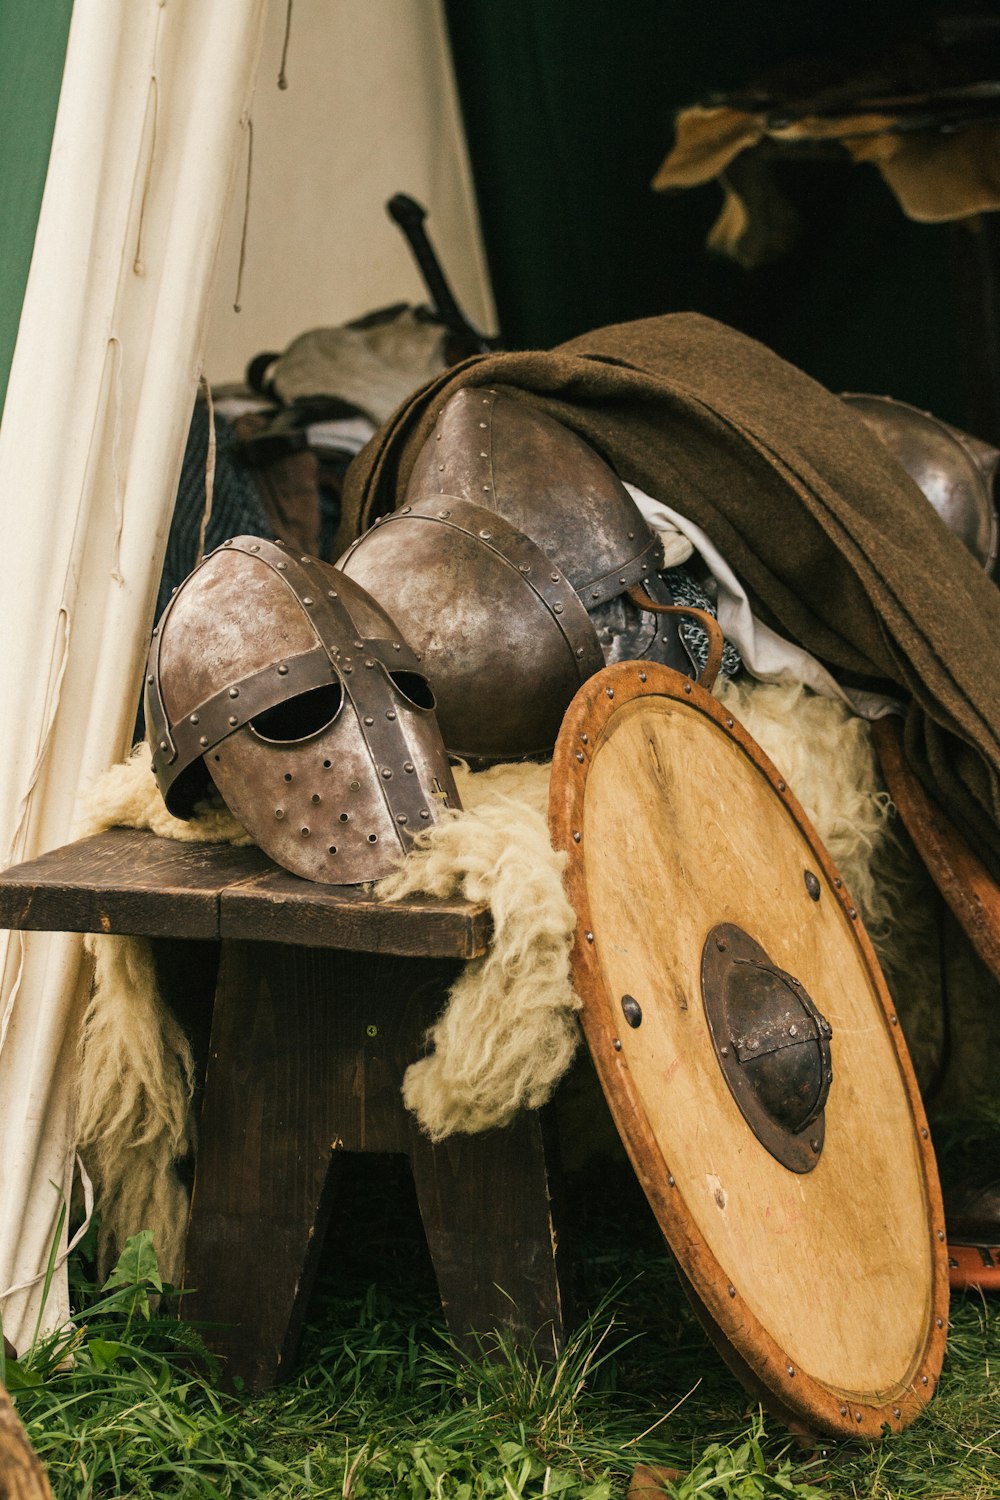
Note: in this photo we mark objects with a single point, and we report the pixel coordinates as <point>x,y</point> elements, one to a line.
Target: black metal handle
<point>410,215</point>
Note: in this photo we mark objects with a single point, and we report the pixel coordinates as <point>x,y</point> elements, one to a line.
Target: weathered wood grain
<point>131,881</point>
<point>306,1061</point>
<point>127,881</point>
<point>675,821</point>
<point>282,908</point>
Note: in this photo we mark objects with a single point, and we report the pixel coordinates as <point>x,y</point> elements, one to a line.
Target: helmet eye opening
<point>414,688</point>
<point>300,718</point>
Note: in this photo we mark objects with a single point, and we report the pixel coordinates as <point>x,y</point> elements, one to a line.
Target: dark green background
<point>32,50</point>
<point>569,108</point>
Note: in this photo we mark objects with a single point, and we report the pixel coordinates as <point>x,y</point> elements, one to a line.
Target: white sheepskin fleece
<point>825,754</point>
<point>134,1119</point>
<point>509,1030</point>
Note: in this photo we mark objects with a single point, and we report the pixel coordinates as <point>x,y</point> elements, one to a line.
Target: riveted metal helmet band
<point>360,673</point>
<point>544,479</point>
<point>535,568</point>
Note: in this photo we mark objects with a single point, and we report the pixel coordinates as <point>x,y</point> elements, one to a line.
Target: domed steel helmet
<point>514,459</point>
<point>296,692</point>
<point>955,471</point>
<point>512,527</point>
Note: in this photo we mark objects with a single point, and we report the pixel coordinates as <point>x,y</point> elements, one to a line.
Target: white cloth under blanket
<point>766,655</point>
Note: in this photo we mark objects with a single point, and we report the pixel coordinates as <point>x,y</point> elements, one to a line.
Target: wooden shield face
<point>725,976</point>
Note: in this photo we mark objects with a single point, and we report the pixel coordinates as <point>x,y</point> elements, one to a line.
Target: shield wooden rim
<point>747,1345</point>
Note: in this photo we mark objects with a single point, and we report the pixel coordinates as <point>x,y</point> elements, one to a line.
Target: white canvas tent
<point>129,299</point>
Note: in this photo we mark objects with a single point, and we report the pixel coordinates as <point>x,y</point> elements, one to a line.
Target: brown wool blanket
<point>838,548</point>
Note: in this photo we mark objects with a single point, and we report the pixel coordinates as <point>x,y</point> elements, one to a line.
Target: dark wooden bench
<point>306,1004</point>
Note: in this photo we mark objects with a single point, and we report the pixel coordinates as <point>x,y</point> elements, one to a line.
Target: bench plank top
<point>128,880</point>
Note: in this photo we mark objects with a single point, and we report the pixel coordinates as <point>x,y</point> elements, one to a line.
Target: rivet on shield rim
<point>721,943</point>
<point>579,756</point>
<point>283,670</point>
<point>781,786</point>
<point>857,1416</point>
<point>233,721</point>
<point>852,913</point>
<point>838,882</point>
<point>939,1322</point>
<point>193,719</point>
<point>203,739</point>
<point>729,723</point>
<point>642,677</point>
<point>924,1132</point>
<point>843,1411</point>
<point>896,1413</point>
<point>687,687</point>
<point>576,836</point>
<point>894,1020</point>
<point>610,692</point>
<point>585,738</point>
<point>923,1380</point>
<point>812,884</point>
<point>589,937</point>
<point>791,1369</point>
<point>940,1234</point>
<point>731,1290</point>
<point>670,1181</point>
<point>616,1043</point>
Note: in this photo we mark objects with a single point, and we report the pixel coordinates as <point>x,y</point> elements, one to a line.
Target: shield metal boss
<point>750,1055</point>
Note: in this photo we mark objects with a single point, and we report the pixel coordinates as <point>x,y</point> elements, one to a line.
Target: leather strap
<point>716,640</point>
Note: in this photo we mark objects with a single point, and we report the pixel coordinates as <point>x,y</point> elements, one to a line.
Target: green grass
<point>382,1405</point>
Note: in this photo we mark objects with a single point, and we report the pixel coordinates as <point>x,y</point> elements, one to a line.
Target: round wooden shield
<point>750,1055</point>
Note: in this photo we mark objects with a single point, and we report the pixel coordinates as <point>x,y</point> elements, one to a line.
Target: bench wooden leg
<point>486,1202</point>
<point>307,1053</point>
